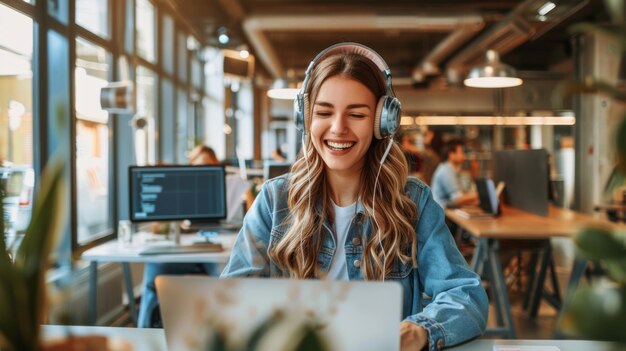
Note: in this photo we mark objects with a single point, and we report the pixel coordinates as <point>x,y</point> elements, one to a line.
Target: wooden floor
<point>541,327</point>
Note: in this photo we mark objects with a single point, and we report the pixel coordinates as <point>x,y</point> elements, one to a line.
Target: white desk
<point>112,251</point>
<point>564,345</point>
<point>154,339</point>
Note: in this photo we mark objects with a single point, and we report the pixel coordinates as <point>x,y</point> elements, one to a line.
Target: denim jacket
<point>442,294</point>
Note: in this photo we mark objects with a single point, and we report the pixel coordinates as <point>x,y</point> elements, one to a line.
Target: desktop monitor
<point>525,174</point>
<point>176,193</point>
<point>273,169</point>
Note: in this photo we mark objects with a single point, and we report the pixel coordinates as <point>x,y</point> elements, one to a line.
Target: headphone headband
<point>350,48</point>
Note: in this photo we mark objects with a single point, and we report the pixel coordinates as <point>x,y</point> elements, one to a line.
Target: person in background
<point>433,143</point>
<point>202,155</point>
<point>447,185</point>
<point>149,313</point>
<point>411,152</point>
<point>349,211</point>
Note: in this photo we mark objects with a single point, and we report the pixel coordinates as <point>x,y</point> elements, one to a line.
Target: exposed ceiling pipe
<point>521,25</point>
<point>430,64</point>
<point>255,26</point>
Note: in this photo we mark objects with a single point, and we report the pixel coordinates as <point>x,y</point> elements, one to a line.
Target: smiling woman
<point>348,211</point>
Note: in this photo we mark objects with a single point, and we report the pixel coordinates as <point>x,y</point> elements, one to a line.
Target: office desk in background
<point>520,225</point>
<point>112,251</point>
<point>154,339</point>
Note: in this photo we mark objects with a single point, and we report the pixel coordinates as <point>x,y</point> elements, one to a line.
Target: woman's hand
<point>412,337</point>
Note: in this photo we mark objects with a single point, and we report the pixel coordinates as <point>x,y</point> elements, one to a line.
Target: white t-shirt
<point>338,267</point>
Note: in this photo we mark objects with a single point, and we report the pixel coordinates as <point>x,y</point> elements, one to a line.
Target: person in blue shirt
<point>447,185</point>
<point>348,210</point>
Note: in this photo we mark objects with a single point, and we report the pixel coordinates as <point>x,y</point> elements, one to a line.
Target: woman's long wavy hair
<point>392,219</point>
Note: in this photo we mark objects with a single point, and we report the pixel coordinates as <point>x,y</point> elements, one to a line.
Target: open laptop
<point>354,315</point>
<point>488,197</point>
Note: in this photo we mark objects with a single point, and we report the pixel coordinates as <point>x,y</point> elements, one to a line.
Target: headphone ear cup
<point>387,116</point>
<point>298,115</point>
<point>379,111</point>
<point>305,111</point>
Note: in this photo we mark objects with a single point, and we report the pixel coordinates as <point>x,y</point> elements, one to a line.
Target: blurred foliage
<point>23,299</point>
<point>22,283</point>
<point>282,331</point>
<point>598,311</point>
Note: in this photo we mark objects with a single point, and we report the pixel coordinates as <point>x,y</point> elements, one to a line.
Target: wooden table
<point>520,225</point>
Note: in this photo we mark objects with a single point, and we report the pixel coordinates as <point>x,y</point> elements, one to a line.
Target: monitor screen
<point>275,169</point>
<point>172,193</point>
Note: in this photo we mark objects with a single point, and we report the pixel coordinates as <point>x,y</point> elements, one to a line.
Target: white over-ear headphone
<point>387,116</point>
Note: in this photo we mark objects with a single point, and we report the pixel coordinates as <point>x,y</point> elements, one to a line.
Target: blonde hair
<point>393,219</point>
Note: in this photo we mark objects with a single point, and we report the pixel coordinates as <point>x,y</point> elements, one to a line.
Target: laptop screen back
<point>353,315</point>
<point>487,195</point>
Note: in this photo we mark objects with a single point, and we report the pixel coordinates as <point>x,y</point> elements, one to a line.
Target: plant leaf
<point>31,260</point>
<point>600,244</point>
<point>598,313</point>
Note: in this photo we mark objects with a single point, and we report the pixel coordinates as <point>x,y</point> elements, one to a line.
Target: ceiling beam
<point>255,26</point>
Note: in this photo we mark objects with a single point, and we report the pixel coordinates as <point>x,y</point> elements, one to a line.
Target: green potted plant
<point>282,331</point>
<point>22,272</point>
<point>599,311</point>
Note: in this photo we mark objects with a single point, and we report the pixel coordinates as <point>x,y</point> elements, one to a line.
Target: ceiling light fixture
<point>545,8</point>
<point>493,74</point>
<point>495,120</point>
<point>222,35</point>
<point>283,89</point>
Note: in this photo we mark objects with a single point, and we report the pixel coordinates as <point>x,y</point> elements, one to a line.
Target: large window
<point>181,50</point>
<point>182,143</point>
<point>167,44</point>
<point>146,108</point>
<point>16,116</point>
<point>146,38</point>
<point>92,143</point>
<point>93,15</point>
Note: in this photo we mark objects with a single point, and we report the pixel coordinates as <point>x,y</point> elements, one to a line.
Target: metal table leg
<point>92,309</point>
<point>478,261</point>
<point>501,296</point>
<point>580,265</point>
<point>129,292</point>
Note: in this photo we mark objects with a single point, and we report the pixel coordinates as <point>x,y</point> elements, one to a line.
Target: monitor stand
<point>174,231</point>
<point>195,226</point>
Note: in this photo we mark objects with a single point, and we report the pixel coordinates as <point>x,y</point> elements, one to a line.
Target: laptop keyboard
<point>181,249</point>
